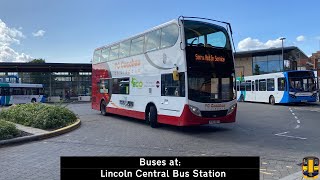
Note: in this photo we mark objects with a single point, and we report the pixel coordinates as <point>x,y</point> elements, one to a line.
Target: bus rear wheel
<point>272,101</point>
<point>153,117</point>
<point>33,100</point>
<point>103,108</point>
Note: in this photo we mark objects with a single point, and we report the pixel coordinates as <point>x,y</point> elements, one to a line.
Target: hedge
<point>7,130</point>
<point>39,115</point>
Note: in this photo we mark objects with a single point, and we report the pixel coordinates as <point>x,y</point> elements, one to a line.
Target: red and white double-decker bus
<point>179,73</point>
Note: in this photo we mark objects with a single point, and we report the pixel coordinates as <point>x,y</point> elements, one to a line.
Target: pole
<point>282,52</point>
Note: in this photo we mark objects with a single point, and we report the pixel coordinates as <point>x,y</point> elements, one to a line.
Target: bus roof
<point>21,85</point>
<point>277,73</point>
<point>176,21</point>
<point>140,34</point>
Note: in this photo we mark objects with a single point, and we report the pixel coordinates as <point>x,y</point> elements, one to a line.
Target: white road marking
<point>281,133</point>
<point>266,173</point>
<point>295,137</point>
<point>297,126</point>
<point>293,114</point>
<point>296,117</point>
<point>293,176</point>
<point>298,121</point>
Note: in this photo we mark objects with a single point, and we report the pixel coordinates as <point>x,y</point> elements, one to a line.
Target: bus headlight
<point>195,110</point>
<point>231,109</point>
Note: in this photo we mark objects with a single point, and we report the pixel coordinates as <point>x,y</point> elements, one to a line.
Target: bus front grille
<point>213,114</point>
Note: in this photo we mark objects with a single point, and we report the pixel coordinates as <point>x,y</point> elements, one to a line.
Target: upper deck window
<point>124,49</point>
<point>153,40</point>
<point>114,52</point>
<point>205,35</point>
<point>96,56</point>
<point>137,46</point>
<point>105,54</point>
<point>169,35</point>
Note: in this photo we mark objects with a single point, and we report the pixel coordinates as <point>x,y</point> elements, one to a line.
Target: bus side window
<point>35,91</point>
<point>242,86</point>
<point>104,86</point>
<point>153,40</point>
<point>248,85</point>
<point>169,87</point>
<point>270,84</point>
<point>262,85</point>
<point>120,86</point>
<point>257,85</point>
<point>281,84</point>
<point>253,86</point>
<point>169,35</point>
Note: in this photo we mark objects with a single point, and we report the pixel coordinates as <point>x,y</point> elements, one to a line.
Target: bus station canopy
<point>44,67</point>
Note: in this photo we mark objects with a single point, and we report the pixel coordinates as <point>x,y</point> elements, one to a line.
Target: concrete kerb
<point>50,134</point>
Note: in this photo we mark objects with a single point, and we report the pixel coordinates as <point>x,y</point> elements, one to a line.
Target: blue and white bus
<point>19,93</point>
<point>282,87</point>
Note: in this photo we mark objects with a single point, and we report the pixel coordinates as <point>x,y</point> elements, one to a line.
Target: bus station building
<point>60,80</point>
<point>263,61</point>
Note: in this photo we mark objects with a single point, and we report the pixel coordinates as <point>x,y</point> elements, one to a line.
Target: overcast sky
<point>69,31</point>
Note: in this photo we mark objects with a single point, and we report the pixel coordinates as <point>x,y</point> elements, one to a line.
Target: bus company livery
<point>18,93</point>
<point>179,73</point>
<point>282,87</point>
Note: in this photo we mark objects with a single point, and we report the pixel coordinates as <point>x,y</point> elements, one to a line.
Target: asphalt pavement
<point>280,135</point>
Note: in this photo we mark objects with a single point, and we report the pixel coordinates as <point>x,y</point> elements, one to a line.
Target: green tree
<point>39,77</point>
<point>256,69</point>
<point>38,61</point>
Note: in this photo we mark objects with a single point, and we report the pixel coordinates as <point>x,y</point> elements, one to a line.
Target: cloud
<point>9,36</point>
<point>7,54</point>
<point>252,44</point>
<point>39,33</point>
<point>301,38</point>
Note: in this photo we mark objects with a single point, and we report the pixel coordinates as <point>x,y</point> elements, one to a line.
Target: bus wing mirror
<point>175,75</point>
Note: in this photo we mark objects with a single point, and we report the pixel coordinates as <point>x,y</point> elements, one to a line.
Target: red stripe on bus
<point>187,118</point>
<point>125,112</point>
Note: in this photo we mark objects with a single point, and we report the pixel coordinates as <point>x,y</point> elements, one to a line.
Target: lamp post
<point>283,38</point>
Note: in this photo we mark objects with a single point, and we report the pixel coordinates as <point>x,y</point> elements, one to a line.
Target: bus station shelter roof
<point>44,67</point>
<point>270,51</point>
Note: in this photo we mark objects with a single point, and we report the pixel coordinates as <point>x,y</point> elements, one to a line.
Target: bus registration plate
<point>214,122</point>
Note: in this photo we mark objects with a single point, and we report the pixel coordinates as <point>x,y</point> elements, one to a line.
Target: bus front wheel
<point>103,108</point>
<point>33,100</point>
<point>272,101</point>
<point>153,116</point>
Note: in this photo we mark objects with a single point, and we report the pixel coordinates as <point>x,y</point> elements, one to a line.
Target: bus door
<point>253,91</point>
<point>256,86</point>
<point>171,90</point>
<point>249,91</point>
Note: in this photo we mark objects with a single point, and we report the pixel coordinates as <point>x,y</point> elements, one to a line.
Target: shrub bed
<point>39,115</point>
<point>7,130</point>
